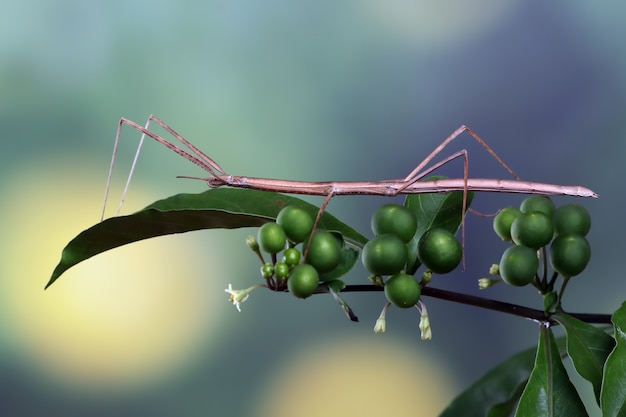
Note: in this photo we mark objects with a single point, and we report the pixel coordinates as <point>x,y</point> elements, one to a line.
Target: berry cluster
<point>534,226</point>
<point>394,226</point>
<point>291,235</point>
<point>305,258</point>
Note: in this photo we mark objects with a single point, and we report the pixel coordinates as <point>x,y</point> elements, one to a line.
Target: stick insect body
<point>409,185</point>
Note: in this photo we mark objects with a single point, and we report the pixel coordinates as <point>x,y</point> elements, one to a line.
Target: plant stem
<point>489,304</point>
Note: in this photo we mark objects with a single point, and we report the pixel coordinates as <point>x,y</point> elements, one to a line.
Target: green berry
<point>569,254</point>
<point>503,220</point>
<point>540,203</point>
<point>395,219</point>
<point>384,255</point>
<point>439,250</point>
<point>572,219</point>
<point>271,238</point>
<point>296,222</point>
<point>533,229</point>
<point>303,280</point>
<point>291,256</point>
<point>402,290</point>
<point>324,251</point>
<point>518,265</point>
<point>267,271</point>
<point>281,270</point>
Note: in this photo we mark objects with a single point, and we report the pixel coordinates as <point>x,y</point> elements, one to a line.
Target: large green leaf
<point>442,210</point>
<point>549,392</point>
<point>613,397</point>
<point>221,208</point>
<point>588,347</point>
<point>495,393</point>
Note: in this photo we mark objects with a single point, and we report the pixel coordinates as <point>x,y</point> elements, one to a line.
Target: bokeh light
<point>356,375</point>
<point>115,322</point>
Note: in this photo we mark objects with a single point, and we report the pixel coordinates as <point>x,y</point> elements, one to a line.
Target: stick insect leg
<point>461,153</point>
<point>416,171</point>
<point>189,145</point>
<point>132,169</point>
<point>330,195</point>
<point>111,166</point>
<point>419,171</point>
<point>206,164</point>
<point>444,161</point>
<point>130,174</point>
<point>200,159</point>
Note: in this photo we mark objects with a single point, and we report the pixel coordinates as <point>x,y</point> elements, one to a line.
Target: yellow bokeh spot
<point>358,376</point>
<point>120,320</point>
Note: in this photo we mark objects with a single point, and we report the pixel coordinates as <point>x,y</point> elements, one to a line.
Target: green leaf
<point>549,391</point>
<point>613,397</point>
<point>588,347</point>
<point>441,210</point>
<point>221,208</point>
<point>496,392</point>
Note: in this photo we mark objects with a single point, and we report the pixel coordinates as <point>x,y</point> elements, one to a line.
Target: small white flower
<point>426,333</point>
<point>484,283</point>
<point>238,296</point>
<point>381,323</point>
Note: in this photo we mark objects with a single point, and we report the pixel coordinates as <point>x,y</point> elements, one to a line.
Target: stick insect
<point>410,184</point>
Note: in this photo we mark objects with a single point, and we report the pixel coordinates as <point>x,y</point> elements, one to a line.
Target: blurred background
<point>310,90</point>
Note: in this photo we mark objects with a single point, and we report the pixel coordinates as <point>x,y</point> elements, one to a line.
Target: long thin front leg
<point>188,144</point>
<point>132,169</point>
<point>208,165</point>
<point>111,166</point>
<point>200,159</point>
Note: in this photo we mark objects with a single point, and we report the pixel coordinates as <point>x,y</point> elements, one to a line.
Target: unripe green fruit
<point>572,219</point>
<point>281,270</point>
<point>540,203</point>
<point>503,220</point>
<point>532,229</point>
<point>296,222</point>
<point>402,290</point>
<point>439,250</point>
<point>303,280</point>
<point>324,251</point>
<point>291,256</point>
<point>569,254</point>
<point>271,238</point>
<point>384,255</point>
<point>518,265</point>
<point>267,271</point>
<point>395,219</point>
